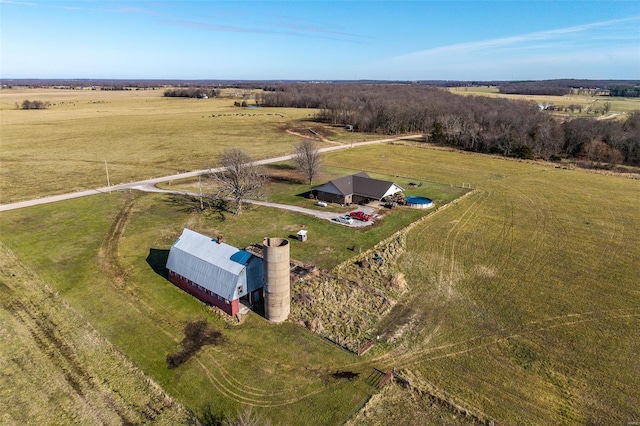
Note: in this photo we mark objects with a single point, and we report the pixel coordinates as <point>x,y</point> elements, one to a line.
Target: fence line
<point>397,235</point>
<point>360,349</point>
<point>386,378</point>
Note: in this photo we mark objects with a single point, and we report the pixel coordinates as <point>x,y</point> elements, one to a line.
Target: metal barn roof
<point>218,267</point>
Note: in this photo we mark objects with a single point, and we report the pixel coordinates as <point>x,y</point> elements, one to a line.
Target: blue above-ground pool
<point>417,202</point>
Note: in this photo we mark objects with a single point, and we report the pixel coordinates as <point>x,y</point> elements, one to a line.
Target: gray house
<point>357,188</point>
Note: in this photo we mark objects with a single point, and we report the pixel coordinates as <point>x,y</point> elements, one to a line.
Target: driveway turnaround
<point>310,212</point>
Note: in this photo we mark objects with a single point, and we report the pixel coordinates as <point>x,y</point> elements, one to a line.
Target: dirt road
<point>152,182</point>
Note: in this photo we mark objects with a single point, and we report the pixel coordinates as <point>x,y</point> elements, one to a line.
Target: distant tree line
<point>534,88</point>
<point>191,92</point>
<point>475,123</point>
<point>27,104</point>
<point>625,91</point>
<point>624,88</point>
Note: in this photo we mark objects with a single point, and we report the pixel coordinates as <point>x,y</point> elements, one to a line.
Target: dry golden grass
<point>395,405</point>
<point>140,134</point>
<point>522,300</point>
<point>57,369</point>
<point>618,105</point>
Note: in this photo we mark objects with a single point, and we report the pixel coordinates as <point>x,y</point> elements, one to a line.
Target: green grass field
<point>105,270</point>
<point>522,298</point>
<point>522,302</point>
<point>56,368</point>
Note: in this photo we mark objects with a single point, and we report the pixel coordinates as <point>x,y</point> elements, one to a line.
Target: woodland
<point>512,128</point>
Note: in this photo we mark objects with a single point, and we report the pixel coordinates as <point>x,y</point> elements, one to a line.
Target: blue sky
<point>339,40</point>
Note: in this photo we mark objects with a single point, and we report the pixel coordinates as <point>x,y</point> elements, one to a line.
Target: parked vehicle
<point>345,219</point>
<point>322,204</point>
<point>360,215</point>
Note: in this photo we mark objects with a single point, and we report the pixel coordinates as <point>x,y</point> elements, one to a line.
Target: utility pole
<point>106,168</point>
<point>200,190</point>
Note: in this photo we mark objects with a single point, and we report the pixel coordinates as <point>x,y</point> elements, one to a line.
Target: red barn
<point>215,272</point>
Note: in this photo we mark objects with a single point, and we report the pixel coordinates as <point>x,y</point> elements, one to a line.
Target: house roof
<point>360,184</point>
<point>218,267</point>
<point>347,184</point>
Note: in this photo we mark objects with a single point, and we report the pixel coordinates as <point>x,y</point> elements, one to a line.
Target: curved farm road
<point>152,182</point>
<point>310,212</point>
<point>302,210</point>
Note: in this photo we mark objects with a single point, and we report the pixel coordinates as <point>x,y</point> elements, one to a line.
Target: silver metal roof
<point>202,260</point>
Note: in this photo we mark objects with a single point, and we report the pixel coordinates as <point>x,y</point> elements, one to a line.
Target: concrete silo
<point>277,289</point>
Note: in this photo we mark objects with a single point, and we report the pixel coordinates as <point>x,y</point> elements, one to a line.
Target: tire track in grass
<point>445,263</point>
<point>446,259</point>
<point>531,262</point>
<point>543,214</point>
<point>240,386</point>
<point>255,402</point>
<point>451,349</point>
<point>113,269</point>
<point>496,338</point>
<point>108,259</point>
<point>537,263</point>
<point>527,258</point>
<point>616,237</point>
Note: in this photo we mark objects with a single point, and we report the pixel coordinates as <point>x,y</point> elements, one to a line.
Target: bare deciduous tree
<point>241,177</point>
<point>246,418</point>
<point>307,158</point>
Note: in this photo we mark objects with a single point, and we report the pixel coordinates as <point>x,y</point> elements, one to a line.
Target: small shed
<point>302,235</point>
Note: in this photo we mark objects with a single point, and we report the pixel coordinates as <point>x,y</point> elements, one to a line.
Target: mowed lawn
<point>105,256</point>
<point>140,134</point>
<point>523,299</point>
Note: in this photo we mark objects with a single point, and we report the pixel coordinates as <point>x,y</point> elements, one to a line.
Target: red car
<point>361,216</point>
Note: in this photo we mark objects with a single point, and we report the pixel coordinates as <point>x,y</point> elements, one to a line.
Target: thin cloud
<point>60,6</point>
<point>283,25</point>
<point>314,28</point>
<point>608,47</point>
<point>216,27</point>
<point>304,32</point>
<point>530,40</point>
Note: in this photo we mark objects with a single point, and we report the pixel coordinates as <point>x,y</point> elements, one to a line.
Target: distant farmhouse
<point>357,188</point>
<point>215,272</point>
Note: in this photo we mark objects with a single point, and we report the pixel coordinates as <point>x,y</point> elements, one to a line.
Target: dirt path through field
<point>177,176</point>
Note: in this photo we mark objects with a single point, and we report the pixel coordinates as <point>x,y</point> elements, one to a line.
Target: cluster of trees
<point>241,178</point>
<point>603,141</point>
<point>474,123</point>
<point>534,88</point>
<point>191,92</point>
<point>565,86</point>
<point>27,104</point>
